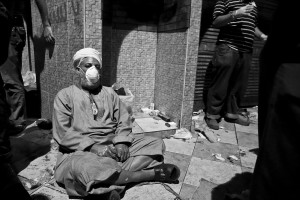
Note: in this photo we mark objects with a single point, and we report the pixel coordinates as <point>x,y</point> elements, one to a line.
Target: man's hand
<point>244,11</point>
<point>263,37</point>
<point>110,151</point>
<point>48,35</point>
<point>122,151</point>
<point>105,151</point>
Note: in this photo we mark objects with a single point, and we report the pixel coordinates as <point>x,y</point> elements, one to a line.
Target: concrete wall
<point>153,55</point>
<point>130,43</point>
<point>177,55</point>
<point>52,64</point>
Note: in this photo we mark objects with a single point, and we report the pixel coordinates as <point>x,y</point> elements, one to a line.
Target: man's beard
<point>88,85</point>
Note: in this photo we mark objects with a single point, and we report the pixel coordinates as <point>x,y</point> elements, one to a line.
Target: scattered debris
<point>232,158</point>
<point>182,133</point>
<point>210,135</point>
<point>47,158</point>
<point>29,79</point>
<point>198,112</point>
<point>146,110</point>
<point>151,106</point>
<point>218,156</point>
<point>32,184</point>
<point>50,171</point>
<point>156,118</point>
<point>164,117</point>
<point>242,152</point>
<point>253,116</point>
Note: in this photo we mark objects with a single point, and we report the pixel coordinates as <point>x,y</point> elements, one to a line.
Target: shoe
<point>241,120</point>
<point>44,124</point>
<point>166,173</point>
<point>212,123</point>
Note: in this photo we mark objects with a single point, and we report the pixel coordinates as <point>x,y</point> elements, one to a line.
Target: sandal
<point>44,123</point>
<point>166,173</point>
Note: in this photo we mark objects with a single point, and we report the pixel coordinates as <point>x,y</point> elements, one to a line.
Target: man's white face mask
<point>92,74</point>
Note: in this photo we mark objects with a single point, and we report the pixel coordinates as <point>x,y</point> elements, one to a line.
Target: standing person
<point>231,62</point>
<point>277,170</point>
<point>98,154</point>
<point>10,185</point>
<point>11,70</point>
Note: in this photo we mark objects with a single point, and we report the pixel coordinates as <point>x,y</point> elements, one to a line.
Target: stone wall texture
<point>153,52</point>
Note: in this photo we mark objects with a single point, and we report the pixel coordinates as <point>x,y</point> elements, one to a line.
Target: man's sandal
<point>166,173</point>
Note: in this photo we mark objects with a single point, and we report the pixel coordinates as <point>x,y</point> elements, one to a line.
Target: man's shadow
<point>139,16</point>
<point>29,145</point>
<point>226,191</point>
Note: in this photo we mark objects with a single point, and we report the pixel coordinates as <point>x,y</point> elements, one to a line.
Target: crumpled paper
<point>29,78</point>
<point>182,133</point>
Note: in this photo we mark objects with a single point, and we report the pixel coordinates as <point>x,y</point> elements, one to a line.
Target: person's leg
<point>145,152</point>
<point>11,74</point>
<point>223,63</point>
<point>10,185</point>
<point>242,78</point>
<point>238,86</point>
<point>4,33</point>
<point>85,173</point>
<point>276,172</point>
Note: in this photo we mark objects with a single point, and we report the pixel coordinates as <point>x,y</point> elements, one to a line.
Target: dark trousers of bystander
<point>276,173</point>
<point>230,77</point>
<point>11,72</point>
<point>10,185</point>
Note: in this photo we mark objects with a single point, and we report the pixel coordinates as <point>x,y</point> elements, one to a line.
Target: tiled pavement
<point>203,176</point>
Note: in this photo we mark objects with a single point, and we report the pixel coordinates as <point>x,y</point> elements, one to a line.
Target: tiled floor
<point>203,176</point>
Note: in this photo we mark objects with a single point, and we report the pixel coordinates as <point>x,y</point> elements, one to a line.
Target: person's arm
<point>124,124</point>
<point>223,20</point>
<point>260,35</point>
<point>123,138</point>
<point>43,10</point>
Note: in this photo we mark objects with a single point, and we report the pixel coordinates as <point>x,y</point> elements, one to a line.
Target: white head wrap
<point>86,52</point>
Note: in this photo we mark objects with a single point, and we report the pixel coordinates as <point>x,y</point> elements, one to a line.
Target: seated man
<point>97,152</point>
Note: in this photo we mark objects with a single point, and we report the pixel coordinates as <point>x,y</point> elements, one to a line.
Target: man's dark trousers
<point>230,77</point>
<point>11,73</point>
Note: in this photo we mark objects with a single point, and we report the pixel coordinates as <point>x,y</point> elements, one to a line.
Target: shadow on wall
<point>40,46</point>
<point>38,50</point>
<point>128,16</point>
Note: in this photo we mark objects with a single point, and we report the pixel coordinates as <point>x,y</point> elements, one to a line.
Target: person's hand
<point>109,151</point>
<point>263,37</point>
<point>122,151</point>
<point>244,11</point>
<point>48,35</point>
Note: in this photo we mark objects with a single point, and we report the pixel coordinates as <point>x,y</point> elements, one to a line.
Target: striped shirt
<point>238,34</point>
